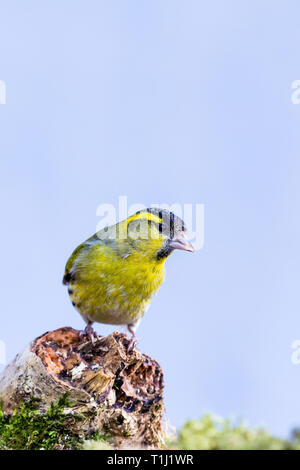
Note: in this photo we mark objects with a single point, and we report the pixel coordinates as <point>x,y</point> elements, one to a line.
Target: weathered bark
<point>119,393</point>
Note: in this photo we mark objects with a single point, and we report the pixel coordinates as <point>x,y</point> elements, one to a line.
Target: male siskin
<point>112,276</point>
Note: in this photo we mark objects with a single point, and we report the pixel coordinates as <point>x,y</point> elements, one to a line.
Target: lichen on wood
<point>115,392</point>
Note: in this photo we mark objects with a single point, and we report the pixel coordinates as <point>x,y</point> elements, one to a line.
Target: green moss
<point>28,428</point>
<point>97,442</point>
<point>90,444</point>
<point>211,433</point>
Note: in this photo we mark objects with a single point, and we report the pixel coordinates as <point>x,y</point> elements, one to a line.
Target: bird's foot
<point>90,332</point>
<point>133,341</point>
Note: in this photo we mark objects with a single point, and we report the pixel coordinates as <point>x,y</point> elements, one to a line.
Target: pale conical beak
<point>181,243</point>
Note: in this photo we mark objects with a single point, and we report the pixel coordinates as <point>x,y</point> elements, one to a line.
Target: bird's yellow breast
<point>114,288</point>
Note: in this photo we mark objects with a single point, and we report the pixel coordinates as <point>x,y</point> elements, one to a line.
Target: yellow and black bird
<point>113,275</point>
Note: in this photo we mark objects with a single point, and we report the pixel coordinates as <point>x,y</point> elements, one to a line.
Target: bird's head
<point>155,232</point>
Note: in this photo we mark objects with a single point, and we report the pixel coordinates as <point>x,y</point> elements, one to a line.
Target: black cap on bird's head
<point>171,227</point>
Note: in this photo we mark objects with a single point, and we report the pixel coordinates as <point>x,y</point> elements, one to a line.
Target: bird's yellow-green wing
<point>71,262</point>
<point>70,269</point>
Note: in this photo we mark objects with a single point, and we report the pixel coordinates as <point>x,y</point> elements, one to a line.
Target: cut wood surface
<point>115,391</point>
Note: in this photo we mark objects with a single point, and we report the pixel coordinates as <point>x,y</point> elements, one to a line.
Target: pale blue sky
<point>169,101</point>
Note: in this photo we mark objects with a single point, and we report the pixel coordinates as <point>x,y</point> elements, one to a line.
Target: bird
<point>113,275</point>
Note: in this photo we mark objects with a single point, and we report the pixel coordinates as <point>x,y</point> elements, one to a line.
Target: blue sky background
<point>172,101</point>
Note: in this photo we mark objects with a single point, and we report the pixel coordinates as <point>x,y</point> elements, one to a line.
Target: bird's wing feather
<point>71,263</point>
<point>105,237</point>
<point>70,269</point>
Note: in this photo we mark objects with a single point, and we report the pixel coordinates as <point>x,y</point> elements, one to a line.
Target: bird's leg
<point>133,341</point>
<point>89,331</point>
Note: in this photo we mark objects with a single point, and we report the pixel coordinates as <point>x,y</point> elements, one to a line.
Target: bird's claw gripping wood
<point>90,332</point>
<point>133,341</point>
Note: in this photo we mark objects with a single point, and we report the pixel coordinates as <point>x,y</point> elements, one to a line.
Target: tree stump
<point>118,393</point>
